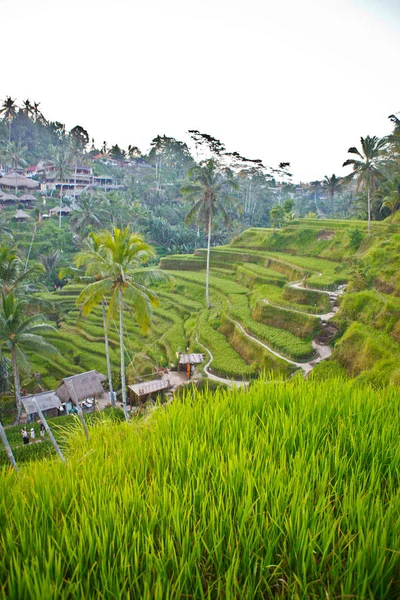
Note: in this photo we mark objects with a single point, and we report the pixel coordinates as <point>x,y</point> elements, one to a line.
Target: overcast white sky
<point>290,80</point>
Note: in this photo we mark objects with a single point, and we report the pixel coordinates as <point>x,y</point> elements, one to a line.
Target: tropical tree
<point>62,170</point>
<point>90,210</point>
<point>19,333</point>
<point>277,216</point>
<point>14,277</point>
<point>390,195</point>
<point>13,154</point>
<point>367,166</point>
<point>209,191</point>
<point>9,111</point>
<point>332,185</point>
<point>27,108</point>
<point>115,261</point>
<point>75,150</point>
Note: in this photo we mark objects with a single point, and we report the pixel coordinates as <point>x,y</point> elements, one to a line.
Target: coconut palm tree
<point>14,277</point>
<point>13,154</point>
<point>9,110</point>
<point>62,170</point>
<point>19,333</point>
<point>89,211</point>
<point>76,154</point>
<point>208,190</point>
<point>27,108</point>
<point>390,195</point>
<point>116,264</point>
<point>332,185</point>
<point>367,166</point>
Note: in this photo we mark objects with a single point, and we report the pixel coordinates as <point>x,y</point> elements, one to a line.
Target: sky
<point>298,81</point>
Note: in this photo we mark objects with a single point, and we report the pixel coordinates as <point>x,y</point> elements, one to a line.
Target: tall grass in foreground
<point>290,490</point>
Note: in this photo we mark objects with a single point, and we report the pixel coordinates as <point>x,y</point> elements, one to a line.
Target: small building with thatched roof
<point>65,211</point>
<point>27,198</point>
<point>21,215</point>
<point>13,181</point>
<point>8,198</point>
<point>81,387</point>
<point>49,403</point>
<point>188,361</point>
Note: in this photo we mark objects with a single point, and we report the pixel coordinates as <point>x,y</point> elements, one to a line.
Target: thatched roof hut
<point>65,211</point>
<point>191,359</point>
<point>150,387</point>
<point>21,215</point>
<point>46,400</point>
<point>8,198</point>
<point>15,180</point>
<point>27,198</point>
<point>85,385</point>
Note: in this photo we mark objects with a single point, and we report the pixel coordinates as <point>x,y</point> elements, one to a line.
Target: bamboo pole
<point>8,447</point>
<point>47,428</point>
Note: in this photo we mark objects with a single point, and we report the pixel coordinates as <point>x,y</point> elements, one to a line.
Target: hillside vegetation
<point>253,296</point>
<point>289,490</point>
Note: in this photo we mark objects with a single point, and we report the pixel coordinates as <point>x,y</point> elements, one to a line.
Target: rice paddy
<point>288,490</point>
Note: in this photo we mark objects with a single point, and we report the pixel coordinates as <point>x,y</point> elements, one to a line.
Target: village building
<point>15,181</point>
<point>82,389</point>
<point>49,403</point>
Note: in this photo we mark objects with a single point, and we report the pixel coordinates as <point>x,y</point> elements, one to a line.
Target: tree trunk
<point>103,306</point>
<point>59,216</point>
<point>332,211</point>
<point>49,432</point>
<point>7,447</point>
<point>369,209</point>
<point>76,169</point>
<point>17,383</point>
<point>122,351</point>
<point>208,261</point>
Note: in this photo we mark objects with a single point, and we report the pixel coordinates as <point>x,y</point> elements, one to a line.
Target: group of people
<point>31,434</point>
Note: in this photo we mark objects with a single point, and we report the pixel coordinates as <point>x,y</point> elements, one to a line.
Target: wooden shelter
<point>79,388</point>
<point>21,215</point>
<point>8,198</point>
<point>144,390</point>
<point>13,181</point>
<point>65,211</point>
<point>48,402</point>
<point>27,199</point>
<point>188,361</point>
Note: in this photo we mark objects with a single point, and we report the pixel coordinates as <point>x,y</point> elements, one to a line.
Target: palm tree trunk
<point>369,209</point>
<point>208,261</point>
<point>103,306</point>
<point>332,211</point>
<point>122,350</point>
<point>59,216</point>
<point>49,432</point>
<point>76,168</point>
<point>7,447</point>
<point>17,384</point>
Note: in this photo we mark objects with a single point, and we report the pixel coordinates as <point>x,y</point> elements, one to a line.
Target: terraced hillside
<point>274,298</point>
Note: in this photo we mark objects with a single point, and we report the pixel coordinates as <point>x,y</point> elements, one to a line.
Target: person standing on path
<point>32,432</point>
<point>42,429</point>
<point>25,435</point>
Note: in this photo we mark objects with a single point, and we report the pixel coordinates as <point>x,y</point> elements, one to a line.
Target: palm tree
<point>13,155</point>
<point>62,170</point>
<point>390,194</point>
<point>27,108</point>
<point>9,109</point>
<point>207,192</point>
<point>19,333</point>
<point>14,277</point>
<point>366,166</point>
<point>90,210</point>
<point>116,263</point>
<point>76,153</point>
<point>332,185</point>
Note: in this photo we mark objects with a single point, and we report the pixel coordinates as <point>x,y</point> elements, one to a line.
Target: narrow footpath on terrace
<point>320,343</point>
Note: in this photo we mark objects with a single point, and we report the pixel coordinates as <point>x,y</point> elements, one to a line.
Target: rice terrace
<point>199,371</point>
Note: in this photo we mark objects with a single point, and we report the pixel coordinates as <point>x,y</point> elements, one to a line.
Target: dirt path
<point>322,350</point>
